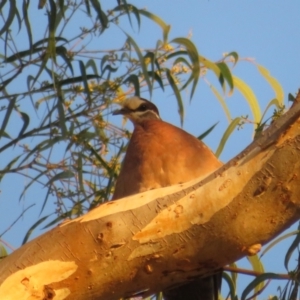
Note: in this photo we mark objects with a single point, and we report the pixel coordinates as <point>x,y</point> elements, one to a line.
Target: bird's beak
<point>122,111</point>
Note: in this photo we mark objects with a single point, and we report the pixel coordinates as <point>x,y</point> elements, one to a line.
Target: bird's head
<point>137,110</point>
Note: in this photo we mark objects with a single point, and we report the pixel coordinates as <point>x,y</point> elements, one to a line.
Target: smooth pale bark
<point>157,239</point>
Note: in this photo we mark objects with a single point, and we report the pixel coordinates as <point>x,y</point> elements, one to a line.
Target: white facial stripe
<point>132,103</point>
<point>146,115</point>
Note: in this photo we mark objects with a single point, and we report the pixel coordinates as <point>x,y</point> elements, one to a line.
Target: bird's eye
<point>143,107</point>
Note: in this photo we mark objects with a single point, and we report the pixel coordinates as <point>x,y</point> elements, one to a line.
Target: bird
<point>160,154</point>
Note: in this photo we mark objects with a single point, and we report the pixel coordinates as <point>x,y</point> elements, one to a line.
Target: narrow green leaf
<point>159,296</point>
<point>225,74</point>
<point>45,41</point>
<point>157,78</point>
<point>112,173</point>
<point>46,199</point>
<point>234,275</point>
<point>101,160</point>
<point>9,80</point>
<point>41,100</point>
<point>276,86</point>
<point>108,67</point>
<point>42,146</point>
<point>87,5</point>
<point>2,4</point>
<point>177,95</point>
<point>231,285</point>
<point>155,74</point>
<point>274,102</point>
<point>249,95</point>
<point>10,108</point>
<point>5,134</point>
<point>61,111</point>
<point>91,64</point>
<point>176,53</point>
<point>295,286</point>
<point>136,13</point>
<point>110,70</point>
<point>257,267</point>
<point>11,14</point>
<point>207,132</point>
<point>291,97</point>
<point>26,121</point>
<point>7,168</point>
<point>6,40</point>
<point>210,65</point>
<point>42,67</point>
<point>85,83</point>
<point>27,23</point>
<point>182,60</point>
<point>234,123</point>
<point>62,7</point>
<point>142,61</point>
<point>24,53</point>
<point>278,240</point>
<point>60,218</point>
<point>41,4</point>
<point>71,133</point>
<point>79,172</point>
<point>72,127</point>
<point>234,55</point>
<point>62,175</point>
<point>135,81</point>
<point>292,248</point>
<point>19,19</point>
<point>150,56</point>
<point>283,294</point>
<point>256,263</point>
<point>30,230</point>
<point>32,50</point>
<point>32,181</point>
<point>51,49</point>
<point>194,57</point>
<point>86,135</point>
<point>257,281</point>
<point>52,16</point>
<point>129,8</point>
<point>29,79</point>
<point>3,251</point>
<point>69,145</point>
<point>222,102</point>
<point>104,59</point>
<point>62,52</point>
<point>165,28</point>
<point>101,15</point>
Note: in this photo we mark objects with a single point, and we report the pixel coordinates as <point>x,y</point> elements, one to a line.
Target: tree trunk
<point>158,239</point>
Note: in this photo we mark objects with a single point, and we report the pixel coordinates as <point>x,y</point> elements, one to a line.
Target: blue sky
<point>267,32</point>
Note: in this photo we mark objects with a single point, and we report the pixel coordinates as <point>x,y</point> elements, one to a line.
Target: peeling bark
<point>151,241</point>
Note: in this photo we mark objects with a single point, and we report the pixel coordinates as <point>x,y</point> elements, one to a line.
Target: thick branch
<point>151,241</point>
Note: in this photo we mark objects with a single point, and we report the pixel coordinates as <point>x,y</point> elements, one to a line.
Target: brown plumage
<point>159,155</point>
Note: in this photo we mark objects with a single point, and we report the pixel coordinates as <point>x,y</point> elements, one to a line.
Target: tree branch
<point>161,238</point>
